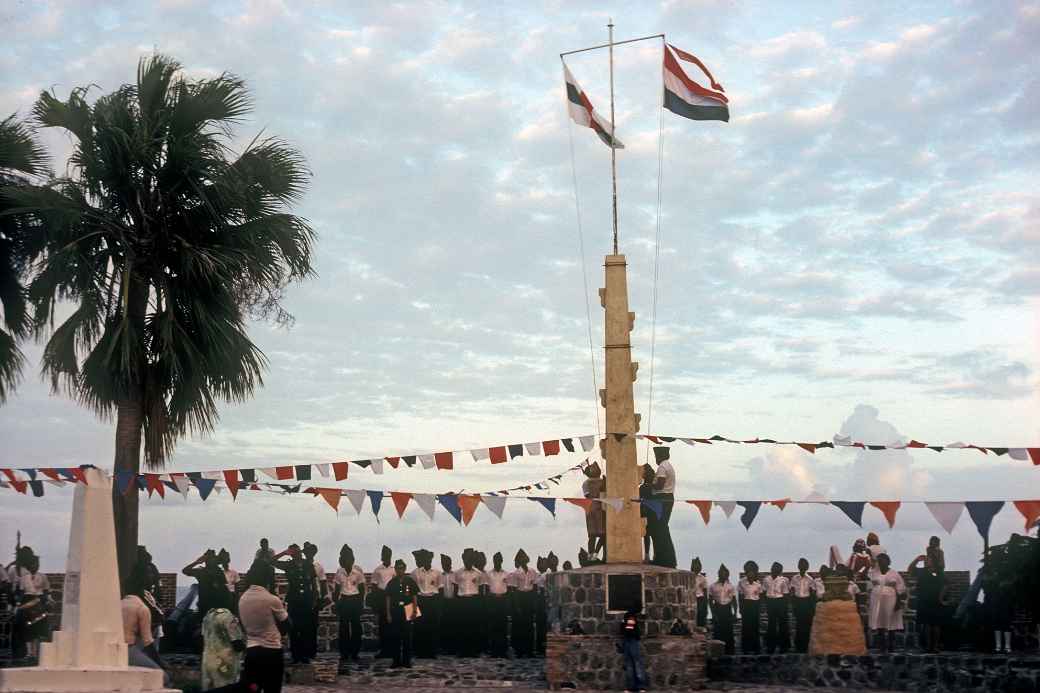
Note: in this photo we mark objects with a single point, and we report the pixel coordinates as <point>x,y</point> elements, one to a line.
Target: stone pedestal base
<point>82,680</point>
<point>837,629</point>
<point>592,661</point>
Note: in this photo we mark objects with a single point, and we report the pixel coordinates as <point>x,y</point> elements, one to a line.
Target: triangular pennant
<point>1034,454</point>
<point>1030,510</point>
<point>999,451</point>
<point>427,502</point>
<point>409,460</point>
<point>888,509</point>
<point>375,501</point>
<point>356,498</point>
<point>1020,454</point>
<point>727,507</point>
<point>496,504</point>
<point>547,503</point>
<point>551,447</point>
<point>31,473</point>
<point>51,474</point>
<point>340,470</point>
<point>782,503</point>
<point>445,460</point>
<point>497,455</point>
<point>205,487</point>
<point>142,483</point>
<point>216,475</point>
<point>750,512</point>
<point>377,465</point>
<point>653,439</point>
<point>364,464</point>
<point>479,454</point>
<point>124,480</point>
<point>516,450</point>
<point>427,461</point>
<point>270,471</point>
<point>568,443</point>
<point>982,513</point>
<point>808,447</point>
<point>182,483</point>
<point>662,453</point>
<point>393,461</point>
<point>533,448</point>
<point>283,473</point>
<point>468,505</point>
<point>322,468</point>
<point>689,441</point>
<point>37,488</point>
<point>704,506</point>
<point>653,505</point>
<point>248,476</point>
<point>331,496</point>
<point>231,479</point>
<point>616,504</point>
<point>946,514</point>
<point>400,499</point>
<point>587,442</point>
<point>153,484</point>
<point>20,486</point>
<point>583,503</point>
<point>853,509</point>
<point>916,444</point>
<point>303,472</point>
<point>450,502</point>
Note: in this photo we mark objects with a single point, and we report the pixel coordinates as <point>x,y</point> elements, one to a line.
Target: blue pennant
<point>31,473</point>
<point>37,488</point>
<point>376,499</point>
<point>451,504</point>
<point>653,505</point>
<point>123,480</point>
<point>205,486</point>
<point>982,514</point>
<point>854,510</point>
<point>548,503</point>
<point>750,512</point>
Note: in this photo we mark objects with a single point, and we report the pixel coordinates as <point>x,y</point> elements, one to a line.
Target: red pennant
<point>583,503</point>
<point>51,474</point>
<point>80,475</point>
<point>468,504</point>
<point>152,483</point>
<point>1034,454</point>
<point>916,444</point>
<point>888,509</point>
<point>808,447</point>
<point>498,455</point>
<point>283,473</point>
<point>331,496</point>
<point>339,470</point>
<point>704,506</point>
<point>231,479</point>
<point>1030,510</point>
<point>19,486</point>
<point>653,438</point>
<point>551,447</point>
<point>393,461</point>
<point>400,500</point>
<point>10,475</point>
<point>444,460</point>
<point>782,503</point>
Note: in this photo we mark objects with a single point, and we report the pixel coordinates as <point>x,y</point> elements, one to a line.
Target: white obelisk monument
<point>89,652</point>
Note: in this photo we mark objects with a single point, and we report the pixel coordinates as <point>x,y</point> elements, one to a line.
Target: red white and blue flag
<point>582,112</point>
<point>687,98</point>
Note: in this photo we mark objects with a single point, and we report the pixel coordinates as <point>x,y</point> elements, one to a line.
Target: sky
<point>854,253</point>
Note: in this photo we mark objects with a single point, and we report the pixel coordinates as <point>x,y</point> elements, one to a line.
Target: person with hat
<point>430,582</point>
<point>402,609</point>
<point>449,630</point>
<point>723,601</point>
<point>523,583</point>
<point>467,589</point>
<point>777,588</point>
<point>213,592</point>
<point>381,577</point>
<point>750,591</point>
<point>300,600</point>
<point>541,616</point>
<point>664,492</point>
<point>497,581</point>
<point>595,515</point>
<point>700,591</point>
<point>348,594</point>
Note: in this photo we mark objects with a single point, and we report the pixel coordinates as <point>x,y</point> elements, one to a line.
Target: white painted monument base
<point>88,654</point>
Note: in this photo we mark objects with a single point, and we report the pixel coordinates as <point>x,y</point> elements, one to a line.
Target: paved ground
<point>383,687</point>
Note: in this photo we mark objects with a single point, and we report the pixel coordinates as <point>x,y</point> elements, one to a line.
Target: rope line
<point>657,262</point>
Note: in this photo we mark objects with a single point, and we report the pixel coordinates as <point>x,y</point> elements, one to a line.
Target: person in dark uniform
<point>480,565</point>
<point>348,594</point>
<point>700,591</point>
<point>723,601</point>
<point>804,594</point>
<point>300,600</point>
<point>523,582</point>
<point>751,593</point>
<point>467,593</point>
<point>213,592</point>
<point>650,519</point>
<point>497,612</point>
<point>402,607</point>
<point>540,607</point>
<point>449,611</point>
<point>381,576</point>
<point>431,583</point>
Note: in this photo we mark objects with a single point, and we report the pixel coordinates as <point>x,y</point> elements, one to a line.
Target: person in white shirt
<point>30,590</point>
<point>777,588</point>
<point>497,582</point>
<point>523,582</point>
<point>264,619</point>
<point>430,582</point>
<point>750,589</point>
<point>381,577</point>
<point>449,635</point>
<point>700,591</point>
<point>664,491</point>
<point>804,594</point>
<point>467,588</point>
<point>887,598</point>
<point>348,594</point>
<point>722,599</point>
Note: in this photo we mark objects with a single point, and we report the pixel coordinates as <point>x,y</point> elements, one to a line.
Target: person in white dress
<point>887,598</point>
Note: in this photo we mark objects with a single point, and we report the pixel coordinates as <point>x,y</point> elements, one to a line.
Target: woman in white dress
<point>887,597</point>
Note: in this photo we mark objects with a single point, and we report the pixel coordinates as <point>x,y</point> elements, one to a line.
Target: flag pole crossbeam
<point>616,43</point>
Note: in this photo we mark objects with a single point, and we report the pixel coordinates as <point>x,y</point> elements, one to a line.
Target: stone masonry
<point>592,661</point>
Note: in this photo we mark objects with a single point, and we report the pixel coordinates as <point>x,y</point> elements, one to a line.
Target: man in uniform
<point>467,590</point>
<point>300,600</point>
<point>381,576</point>
<point>540,606</point>
<point>804,596</point>
<point>480,565</point>
<point>522,584</point>
<point>321,595</point>
<point>497,581</point>
<point>700,581</point>
<point>213,592</point>
<point>449,613</point>
<point>664,491</point>
<point>30,592</point>
<point>777,588</point>
<point>348,594</point>
<point>402,604</point>
<point>430,583</point>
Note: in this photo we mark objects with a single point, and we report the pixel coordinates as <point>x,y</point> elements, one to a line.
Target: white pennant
<point>480,454</point>
<point>587,442</point>
<point>269,471</point>
<point>356,498</point>
<point>533,448</point>
<point>946,514</point>
<point>688,441</point>
<point>1018,453</point>
<point>428,461</point>
<point>323,469</point>
<point>844,441</point>
<point>377,465</point>
<point>957,445</point>
<point>427,502</point>
<point>727,506</point>
<point>615,503</point>
<point>216,476</point>
<point>495,504</point>
<point>183,484</point>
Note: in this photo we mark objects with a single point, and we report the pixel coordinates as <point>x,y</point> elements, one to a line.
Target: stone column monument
<point>89,652</point>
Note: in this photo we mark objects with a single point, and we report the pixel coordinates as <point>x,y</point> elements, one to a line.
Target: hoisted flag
<point>687,98</point>
<point>582,112</point>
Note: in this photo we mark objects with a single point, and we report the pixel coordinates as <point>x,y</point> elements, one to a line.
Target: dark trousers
<point>750,615</point>
<point>348,610</point>
<point>523,624</point>
<point>449,635</point>
<point>498,620</point>
<point>469,616</point>
<point>263,668</point>
<point>399,638</point>
<point>722,624</point>
<point>425,631</point>
<point>635,672</point>
<point>702,612</point>
<point>664,549</point>
<point>804,610</point>
<point>778,634</point>
<point>377,600</point>
<point>541,622</point>
<point>303,635</point>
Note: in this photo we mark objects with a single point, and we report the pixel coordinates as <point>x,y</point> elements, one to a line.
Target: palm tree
<point>21,157</point>
<point>165,241</point>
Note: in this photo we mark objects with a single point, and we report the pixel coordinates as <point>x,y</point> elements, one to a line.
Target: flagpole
<point>613,136</point>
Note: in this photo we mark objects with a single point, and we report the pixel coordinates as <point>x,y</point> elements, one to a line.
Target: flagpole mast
<point>613,131</point>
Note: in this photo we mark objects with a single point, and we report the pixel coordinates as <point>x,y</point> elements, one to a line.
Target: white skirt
<point>881,610</point>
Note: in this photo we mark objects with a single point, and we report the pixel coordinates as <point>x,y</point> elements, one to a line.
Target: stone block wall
<point>592,661</point>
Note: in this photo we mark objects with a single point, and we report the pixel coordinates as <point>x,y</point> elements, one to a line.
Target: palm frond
<point>19,150</point>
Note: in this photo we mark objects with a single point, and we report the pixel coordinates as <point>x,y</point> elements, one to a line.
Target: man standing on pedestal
<point>664,491</point>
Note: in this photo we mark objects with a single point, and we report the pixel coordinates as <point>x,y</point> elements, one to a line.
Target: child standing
<point>635,672</point>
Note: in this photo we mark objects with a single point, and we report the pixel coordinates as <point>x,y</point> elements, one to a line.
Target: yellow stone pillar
<point>624,528</point>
